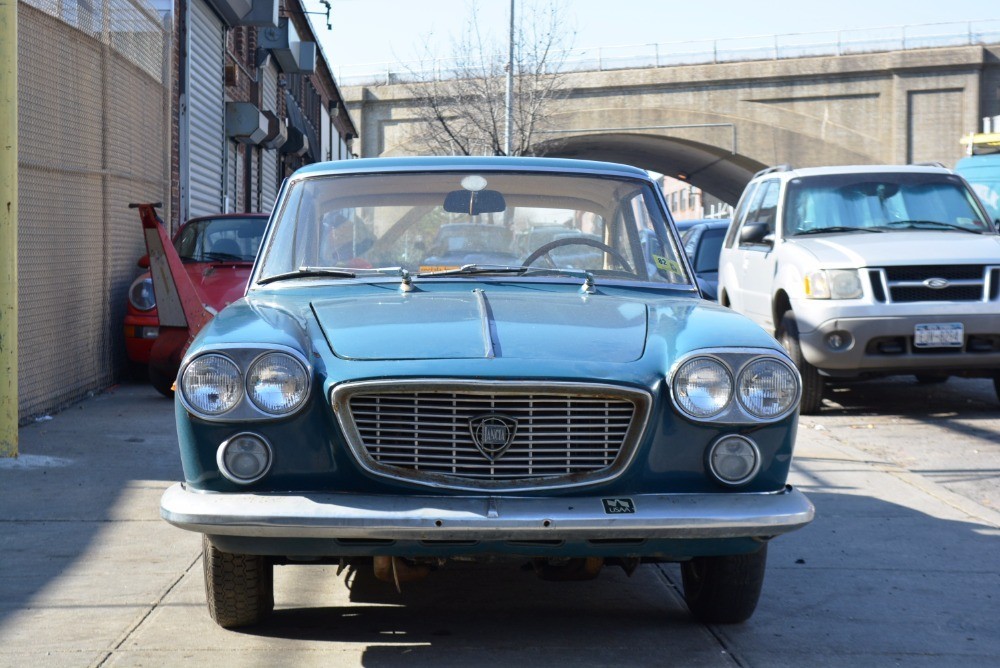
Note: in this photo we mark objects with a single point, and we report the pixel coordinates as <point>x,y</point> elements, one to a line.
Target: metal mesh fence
<point>93,115</point>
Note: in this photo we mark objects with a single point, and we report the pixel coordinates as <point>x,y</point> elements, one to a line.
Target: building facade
<point>254,99</point>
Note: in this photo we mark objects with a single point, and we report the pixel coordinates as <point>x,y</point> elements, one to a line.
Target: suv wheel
<point>812,382</point>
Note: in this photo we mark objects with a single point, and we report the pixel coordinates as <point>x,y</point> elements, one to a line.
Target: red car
<point>218,253</point>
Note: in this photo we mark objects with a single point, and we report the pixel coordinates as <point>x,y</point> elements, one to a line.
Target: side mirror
<point>474,202</point>
<point>756,234</point>
<point>144,262</point>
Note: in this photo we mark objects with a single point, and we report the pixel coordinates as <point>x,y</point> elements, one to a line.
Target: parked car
<point>396,417</point>
<point>702,243</point>
<point>867,271</point>
<point>218,253</point>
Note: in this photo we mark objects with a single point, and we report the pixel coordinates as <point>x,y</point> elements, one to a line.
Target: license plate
<point>939,335</point>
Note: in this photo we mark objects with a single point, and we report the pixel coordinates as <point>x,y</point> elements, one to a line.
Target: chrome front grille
<point>428,431</point>
<point>934,283</point>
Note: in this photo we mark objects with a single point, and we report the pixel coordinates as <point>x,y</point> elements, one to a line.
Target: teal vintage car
<point>361,404</point>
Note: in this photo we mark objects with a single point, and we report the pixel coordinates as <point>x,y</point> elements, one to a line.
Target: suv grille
<point>556,435</point>
<point>964,283</point>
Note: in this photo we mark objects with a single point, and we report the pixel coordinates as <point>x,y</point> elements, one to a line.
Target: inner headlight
<point>703,387</point>
<point>833,284</point>
<point>734,460</point>
<point>140,293</point>
<point>277,383</point>
<point>211,384</point>
<point>244,458</point>
<point>767,388</point>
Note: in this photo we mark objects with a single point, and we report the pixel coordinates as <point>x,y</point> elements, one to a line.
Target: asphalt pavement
<point>899,568</point>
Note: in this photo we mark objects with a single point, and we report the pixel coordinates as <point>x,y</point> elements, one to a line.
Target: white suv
<point>867,270</point>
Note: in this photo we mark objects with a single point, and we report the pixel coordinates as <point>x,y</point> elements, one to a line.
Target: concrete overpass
<point>716,124</point>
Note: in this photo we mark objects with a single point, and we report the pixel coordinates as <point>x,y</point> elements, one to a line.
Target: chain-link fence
<point>93,110</point>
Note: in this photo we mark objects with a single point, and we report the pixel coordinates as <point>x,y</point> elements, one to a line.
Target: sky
<point>374,32</point>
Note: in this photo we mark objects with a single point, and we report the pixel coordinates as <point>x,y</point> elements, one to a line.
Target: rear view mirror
<point>474,203</point>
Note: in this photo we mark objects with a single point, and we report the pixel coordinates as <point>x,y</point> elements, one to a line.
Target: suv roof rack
<point>784,167</point>
<point>930,163</point>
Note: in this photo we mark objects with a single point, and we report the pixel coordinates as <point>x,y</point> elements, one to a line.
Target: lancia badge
<point>492,434</point>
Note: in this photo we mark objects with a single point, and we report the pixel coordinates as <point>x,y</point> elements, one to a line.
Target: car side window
<point>763,209</point>
<point>740,211</point>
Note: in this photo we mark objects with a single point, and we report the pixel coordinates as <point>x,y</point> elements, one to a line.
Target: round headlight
<point>211,384</point>
<point>244,458</point>
<point>702,387</point>
<point>277,383</point>
<point>140,294</point>
<point>734,460</point>
<point>768,388</point>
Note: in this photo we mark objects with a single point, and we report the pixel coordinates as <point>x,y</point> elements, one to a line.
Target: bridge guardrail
<point>698,52</point>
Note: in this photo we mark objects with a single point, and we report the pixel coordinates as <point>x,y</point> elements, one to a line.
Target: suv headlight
<point>140,294</point>
<point>833,284</point>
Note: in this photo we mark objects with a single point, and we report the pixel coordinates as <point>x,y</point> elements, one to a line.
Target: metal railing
<point>697,52</point>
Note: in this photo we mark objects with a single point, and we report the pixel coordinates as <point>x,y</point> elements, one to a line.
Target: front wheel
<point>724,590</point>
<point>812,382</point>
<point>239,587</point>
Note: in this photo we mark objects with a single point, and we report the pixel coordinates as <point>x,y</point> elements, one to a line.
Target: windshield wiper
<point>917,224</point>
<point>333,272</point>
<point>478,269</point>
<point>309,272</point>
<point>471,269</point>
<point>836,228</point>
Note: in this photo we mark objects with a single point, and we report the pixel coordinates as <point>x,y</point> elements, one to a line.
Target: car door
<point>754,258</point>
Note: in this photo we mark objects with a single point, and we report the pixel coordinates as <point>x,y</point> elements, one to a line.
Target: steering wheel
<point>579,241</point>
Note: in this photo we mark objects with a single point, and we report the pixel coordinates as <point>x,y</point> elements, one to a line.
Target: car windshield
<point>881,202</point>
<point>431,224</point>
<point>229,239</point>
<point>706,259</point>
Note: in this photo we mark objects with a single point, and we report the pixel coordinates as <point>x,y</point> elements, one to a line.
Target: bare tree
<point>461,110</point>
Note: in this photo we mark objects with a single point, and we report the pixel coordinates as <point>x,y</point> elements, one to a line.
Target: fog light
<point>245,458</point>
<point>734,460</point>
<point>838,341</point>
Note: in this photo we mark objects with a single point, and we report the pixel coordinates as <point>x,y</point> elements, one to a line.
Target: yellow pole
<point>8,228</point>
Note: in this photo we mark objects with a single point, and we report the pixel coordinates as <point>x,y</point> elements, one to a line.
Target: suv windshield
<point>881,202</point>
<point>434,223</point>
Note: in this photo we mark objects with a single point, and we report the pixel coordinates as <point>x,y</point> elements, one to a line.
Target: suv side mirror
<point>756,233</point>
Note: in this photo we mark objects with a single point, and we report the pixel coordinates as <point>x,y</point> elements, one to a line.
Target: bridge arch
<point>711,168</point>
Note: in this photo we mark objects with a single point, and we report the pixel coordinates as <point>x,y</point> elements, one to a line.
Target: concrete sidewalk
<point>896,569</point>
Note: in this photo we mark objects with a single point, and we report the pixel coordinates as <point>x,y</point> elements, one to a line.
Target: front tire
<point>812,382</point>
<point>724,590</point>
<point>239,587</point>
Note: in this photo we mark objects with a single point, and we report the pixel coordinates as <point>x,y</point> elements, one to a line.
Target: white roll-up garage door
<point>269,157</point>
<point>205,118</point>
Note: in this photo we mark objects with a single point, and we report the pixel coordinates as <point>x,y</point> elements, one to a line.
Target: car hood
<point>484,323</point>
<point>219,285</point>
<point>859,249</point>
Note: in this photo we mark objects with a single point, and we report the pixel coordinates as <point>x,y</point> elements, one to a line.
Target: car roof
<point>471,163</point>
<point>786,172</point>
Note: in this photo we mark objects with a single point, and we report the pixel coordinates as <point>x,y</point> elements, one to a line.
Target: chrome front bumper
<point>492,518</point>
